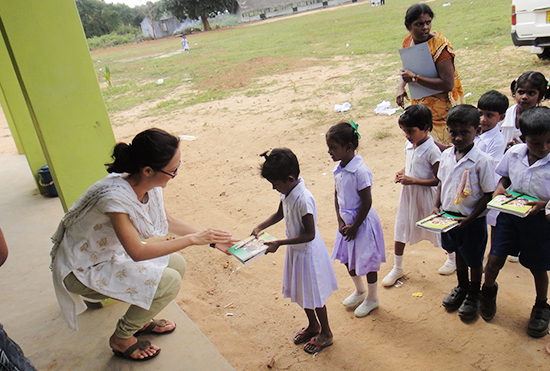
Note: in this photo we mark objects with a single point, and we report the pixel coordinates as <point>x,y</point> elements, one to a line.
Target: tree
<point>99,18</point>
<point>111,18</point>
<point>196,9</point>
<point>152,11</point>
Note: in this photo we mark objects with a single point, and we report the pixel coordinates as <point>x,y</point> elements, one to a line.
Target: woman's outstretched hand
<point>211,235</point>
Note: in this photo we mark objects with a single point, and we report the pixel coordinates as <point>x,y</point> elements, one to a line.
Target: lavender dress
<point>366,251</point>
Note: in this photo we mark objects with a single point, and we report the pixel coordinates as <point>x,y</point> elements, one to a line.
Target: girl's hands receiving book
<point>273,246</point>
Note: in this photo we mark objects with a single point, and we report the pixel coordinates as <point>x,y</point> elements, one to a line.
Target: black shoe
<point>538,323</point>
<point>454,300</point>
<point>488,304</point>
<point>468,309</point>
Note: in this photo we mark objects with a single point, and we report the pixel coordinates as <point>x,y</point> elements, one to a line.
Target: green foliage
<point>107,75</point>
<point>99,18</point>
<point>194,9</point>
<point>112,39</point>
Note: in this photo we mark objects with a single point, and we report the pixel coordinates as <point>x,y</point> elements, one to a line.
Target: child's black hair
<point>416,116</point>
<point>279,164</point>
<point>536,79</point>
<point>463,114</point>
<point>493,101</point>
<point>343,133</point>
<point>535,121</point>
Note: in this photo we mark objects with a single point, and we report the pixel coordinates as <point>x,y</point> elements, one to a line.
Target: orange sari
<point>440,103</point>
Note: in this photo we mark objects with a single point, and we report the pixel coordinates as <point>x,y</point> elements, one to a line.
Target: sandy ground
<point>241,308</point>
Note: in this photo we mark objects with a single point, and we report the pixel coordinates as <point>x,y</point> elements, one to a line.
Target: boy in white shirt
<point>467,183</point>
<point>492,108</point>
<point>525,168</point>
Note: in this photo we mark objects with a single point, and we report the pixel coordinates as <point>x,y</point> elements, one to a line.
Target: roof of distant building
<point>252,5</point>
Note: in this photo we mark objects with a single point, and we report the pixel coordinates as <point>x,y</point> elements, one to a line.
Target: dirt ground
<point>241,309</point>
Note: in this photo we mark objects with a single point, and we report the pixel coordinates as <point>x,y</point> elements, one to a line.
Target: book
<point>515,204</point>
<point>251,247</point>
<point>441,222</point>
<point>418,59</point>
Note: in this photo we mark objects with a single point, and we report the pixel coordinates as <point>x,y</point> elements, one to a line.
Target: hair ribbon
<point>355,127</point>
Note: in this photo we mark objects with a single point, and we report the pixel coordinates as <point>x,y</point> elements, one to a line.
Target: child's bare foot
<point>318,343</point>
<point>144,351</point>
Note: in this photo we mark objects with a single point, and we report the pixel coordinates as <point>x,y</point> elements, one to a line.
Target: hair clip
<point>264,155</point>
<point>355,127</point>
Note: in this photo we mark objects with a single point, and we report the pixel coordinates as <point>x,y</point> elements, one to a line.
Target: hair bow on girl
<point>355,127</point>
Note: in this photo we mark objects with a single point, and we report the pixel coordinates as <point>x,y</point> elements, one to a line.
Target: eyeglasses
<point>173,175</point>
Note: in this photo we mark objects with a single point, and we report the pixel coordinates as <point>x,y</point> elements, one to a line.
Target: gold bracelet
<point>415,78</point>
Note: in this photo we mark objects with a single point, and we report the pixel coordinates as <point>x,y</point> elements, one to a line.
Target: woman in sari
<point>418,21</point>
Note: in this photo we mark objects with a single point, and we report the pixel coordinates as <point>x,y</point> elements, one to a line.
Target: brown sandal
<point>303,336</point>
<point>150,327</point>
<point>141,345</point>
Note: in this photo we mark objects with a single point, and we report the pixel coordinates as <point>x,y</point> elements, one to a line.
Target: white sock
<point>451,259</point>
<point>372,296</point>
<point>359,285</point>
<point>398,261</point>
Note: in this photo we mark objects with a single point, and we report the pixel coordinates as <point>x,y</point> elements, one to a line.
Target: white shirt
<point>508,125</point>
<point>481,170</point>
<point>533,180</point>
<point>492,142</point>
<point>420,160</point>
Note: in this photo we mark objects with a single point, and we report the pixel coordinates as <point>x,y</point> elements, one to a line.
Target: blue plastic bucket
<point>46,180</point>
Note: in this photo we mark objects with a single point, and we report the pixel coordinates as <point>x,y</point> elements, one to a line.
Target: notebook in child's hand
<point>515,204</point>
<point>440,222</point>
<point>251,247</point>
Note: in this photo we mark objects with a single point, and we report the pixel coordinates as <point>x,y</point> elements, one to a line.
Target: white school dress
<point>309,275</point>
<point>508,125</point>
<point>366,251</point>
<point>416,202</point>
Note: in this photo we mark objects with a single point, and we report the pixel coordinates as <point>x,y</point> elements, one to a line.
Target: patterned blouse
<point>91,250</point>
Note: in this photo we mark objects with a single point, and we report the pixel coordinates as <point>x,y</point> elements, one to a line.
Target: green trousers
<point>135,317</point>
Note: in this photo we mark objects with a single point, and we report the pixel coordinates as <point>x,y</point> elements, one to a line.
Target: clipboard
<point>418,59</point>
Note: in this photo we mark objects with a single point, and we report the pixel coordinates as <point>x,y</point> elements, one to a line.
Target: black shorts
<point>470,242</point>
<point>529,237</point>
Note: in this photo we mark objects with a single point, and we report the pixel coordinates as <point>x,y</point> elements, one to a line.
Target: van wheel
<point>545,55</point>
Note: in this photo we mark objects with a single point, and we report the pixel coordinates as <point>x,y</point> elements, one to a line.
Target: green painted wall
<point>5,109</point>
<point>51,60</point>
<point>17,114</point>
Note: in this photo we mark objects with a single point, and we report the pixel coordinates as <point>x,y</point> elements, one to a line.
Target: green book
<point>251,247</point>
<point>440,222</point>
<point>514,204</point>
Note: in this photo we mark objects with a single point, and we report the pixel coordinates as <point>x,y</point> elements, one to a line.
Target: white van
<point>531,25</point>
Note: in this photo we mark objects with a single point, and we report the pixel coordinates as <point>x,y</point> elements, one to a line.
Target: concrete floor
<point>29,310</point>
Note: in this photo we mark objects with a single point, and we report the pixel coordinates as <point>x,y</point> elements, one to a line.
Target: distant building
<point>255,10</point>
<point>164,27</point>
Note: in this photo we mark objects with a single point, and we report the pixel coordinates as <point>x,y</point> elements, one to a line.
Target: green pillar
<point>7,113</point>
<point>48,51</point>
<point>17,114</point>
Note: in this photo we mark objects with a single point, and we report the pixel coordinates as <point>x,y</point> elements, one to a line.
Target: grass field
<point>220,61</point>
